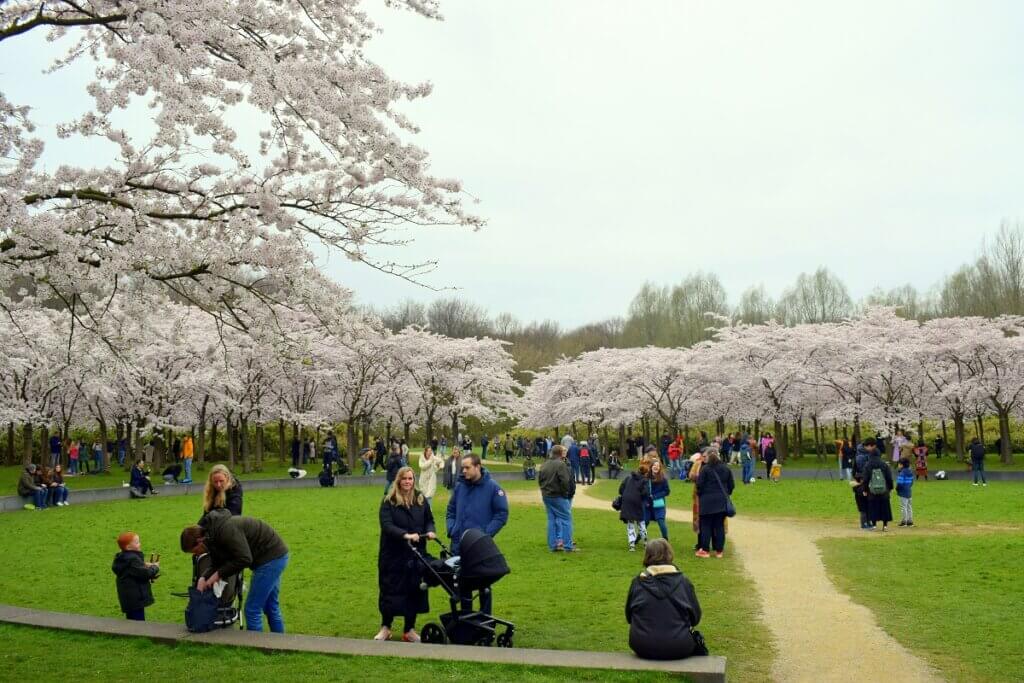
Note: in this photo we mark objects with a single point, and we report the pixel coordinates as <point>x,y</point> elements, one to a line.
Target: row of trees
<point>675,315</point>
<point>163,367</point>
<point>878,367</point>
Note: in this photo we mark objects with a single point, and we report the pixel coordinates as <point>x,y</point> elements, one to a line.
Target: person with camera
<point>405,520</point>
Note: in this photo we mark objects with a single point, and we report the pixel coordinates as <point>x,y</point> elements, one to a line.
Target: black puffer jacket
<point>133,577</point>
<point>712,495</point>
<point>635,490</point>
<point>661,610</point>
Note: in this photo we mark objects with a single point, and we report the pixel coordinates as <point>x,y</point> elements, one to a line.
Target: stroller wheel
<point>505,640</point>
<point>432,633</point>
<point>486,641</point>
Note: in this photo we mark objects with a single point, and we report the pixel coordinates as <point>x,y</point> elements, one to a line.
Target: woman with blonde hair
<point>405,521</point>
<point>223,490</point>
<point>430,465</point>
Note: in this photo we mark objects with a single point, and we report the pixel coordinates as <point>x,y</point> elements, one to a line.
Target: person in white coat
<point>430,465</point>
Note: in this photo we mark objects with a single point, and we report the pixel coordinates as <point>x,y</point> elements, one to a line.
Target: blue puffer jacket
<point>904,480</point>
<point>476,505</point>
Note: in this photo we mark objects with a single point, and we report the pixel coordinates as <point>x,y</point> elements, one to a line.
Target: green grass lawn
<point>953,600</point>
<point>935,502</point>
<point>556,601</point>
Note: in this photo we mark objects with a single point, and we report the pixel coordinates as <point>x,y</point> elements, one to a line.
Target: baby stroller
<point>467,576</point>
<point>229,602</point>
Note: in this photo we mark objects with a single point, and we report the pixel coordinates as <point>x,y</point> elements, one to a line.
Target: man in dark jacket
<point>662,608</point>
<point>977,451</point>
<point>554,481</point>
<point>476,503</point>
<point>27,488</point>
<point>237,543</point>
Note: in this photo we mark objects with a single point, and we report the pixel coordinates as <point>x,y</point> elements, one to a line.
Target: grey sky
<point>611,143</point>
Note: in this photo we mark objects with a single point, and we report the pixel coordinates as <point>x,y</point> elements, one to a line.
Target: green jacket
<point>27,484</point>
<point>554,478</point>
<point>236,543</point>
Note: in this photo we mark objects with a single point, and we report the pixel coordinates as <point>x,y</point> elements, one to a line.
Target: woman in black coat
<point>405,518</point>
<point>634,492</point>
<point>714,486</point>
<point>879,508</point>
<point>662,609</point>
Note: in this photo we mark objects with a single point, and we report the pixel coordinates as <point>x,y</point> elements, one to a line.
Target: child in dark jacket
<point>134,576</point>
<point>904,483</point>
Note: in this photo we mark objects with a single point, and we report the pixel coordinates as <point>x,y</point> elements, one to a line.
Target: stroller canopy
<point>481,563</point>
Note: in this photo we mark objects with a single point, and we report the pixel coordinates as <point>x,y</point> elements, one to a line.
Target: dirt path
<point>812,624</point>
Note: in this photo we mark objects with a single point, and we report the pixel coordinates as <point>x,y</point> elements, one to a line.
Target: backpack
<point>876,485</point>
<point>326,478</point>
<point>201,611</point>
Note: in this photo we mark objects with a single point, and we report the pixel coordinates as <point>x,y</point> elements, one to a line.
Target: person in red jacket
<point>675,454</point>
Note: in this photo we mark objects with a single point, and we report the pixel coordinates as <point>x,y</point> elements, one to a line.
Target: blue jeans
<point>188,469</point>
<point>748,471</point>
<point>58,494</point>
<point>585,469</point>
<point>367,468</point>
<point>121,455</point>
<point>559,522</point>
<point>39,497</point>
<point>979,470</point>
<point>73,466</point>
<point>575,471</point>
<point>264,592</point>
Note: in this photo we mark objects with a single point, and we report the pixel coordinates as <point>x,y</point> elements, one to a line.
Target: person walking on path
<point>237,543</point>
<point>187,453</point>
<point>977,451</point>
<point>634,491</point>
<point>657,505</point>
<point>878,483</point>
<point>904,485</point>
<point>714,486</point>
<point>405,520</point>
<point>556,484</point>
<point>430,465</point>
<point>662,608</point>
<point>477,502</point>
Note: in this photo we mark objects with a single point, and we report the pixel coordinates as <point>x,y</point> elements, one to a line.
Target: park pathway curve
<point>819,633</point>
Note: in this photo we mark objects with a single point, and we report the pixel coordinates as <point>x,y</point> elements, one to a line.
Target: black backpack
<point>326,478</point>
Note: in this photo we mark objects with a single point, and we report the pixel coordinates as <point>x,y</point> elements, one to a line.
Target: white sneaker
<point>383,634</point>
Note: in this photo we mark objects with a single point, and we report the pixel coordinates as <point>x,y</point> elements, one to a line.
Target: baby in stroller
<point>464,578</point>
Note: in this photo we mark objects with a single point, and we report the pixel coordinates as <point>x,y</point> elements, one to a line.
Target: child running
<point>904,483</point>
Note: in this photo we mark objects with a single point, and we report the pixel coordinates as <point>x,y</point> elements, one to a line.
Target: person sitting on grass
<point>134,576</point>
<point>614,465</point>
<point>140,479</point>
<point>662,608</point>
<point>529,469</point>
<point>28,488</point>
<point>58,489</point>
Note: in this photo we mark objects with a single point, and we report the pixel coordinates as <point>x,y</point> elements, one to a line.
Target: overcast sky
<point>611,143</point>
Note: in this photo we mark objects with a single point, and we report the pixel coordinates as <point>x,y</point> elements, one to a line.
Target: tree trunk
<point>229,426</point>
<point>352,443</point>
<point>757,432</point>
<point>647,431</point>
<point>129,431</point>
<point>213,440</point>
<point>11,457</point>
<point>945,437</point>
<point>920,428</point>
<point>260,438</point>
<point>817,437</point>
<point>980,428</point>
<point>280,438</point>
<point>44,448</point>
<point>856,429</point>
<point>455,428</point>
<point>244,446</point>
<point>1005,446</point>
<point>959,435</point>
<point>103,440</point>
<point>366,433</point>
<point>406,429</point>
<point>781,441</point>
<point>798,433</point>
<point>26,443</point>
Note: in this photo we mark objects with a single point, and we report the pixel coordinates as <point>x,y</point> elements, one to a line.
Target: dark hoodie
<point>237,543</point>
<point>661,610</point>
<point>133,577</point>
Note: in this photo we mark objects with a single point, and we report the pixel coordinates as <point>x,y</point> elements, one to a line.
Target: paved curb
<point>698,669</point>
<point>85,496</point>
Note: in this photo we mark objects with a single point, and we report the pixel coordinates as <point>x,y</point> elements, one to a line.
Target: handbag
<point>658,503</point>
<point>730,509</point>
<point>617,503</point>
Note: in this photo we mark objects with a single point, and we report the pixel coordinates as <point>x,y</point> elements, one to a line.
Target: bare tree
<point>756,307</point>
<point>458,318</point>
<point>820,297</point>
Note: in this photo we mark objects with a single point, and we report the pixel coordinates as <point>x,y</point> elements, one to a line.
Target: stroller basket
<point>229,608</point>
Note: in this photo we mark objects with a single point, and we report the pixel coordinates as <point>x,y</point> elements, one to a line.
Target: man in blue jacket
<point>476,503</point>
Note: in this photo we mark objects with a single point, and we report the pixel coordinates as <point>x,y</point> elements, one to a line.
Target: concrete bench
<point>698,669</point>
